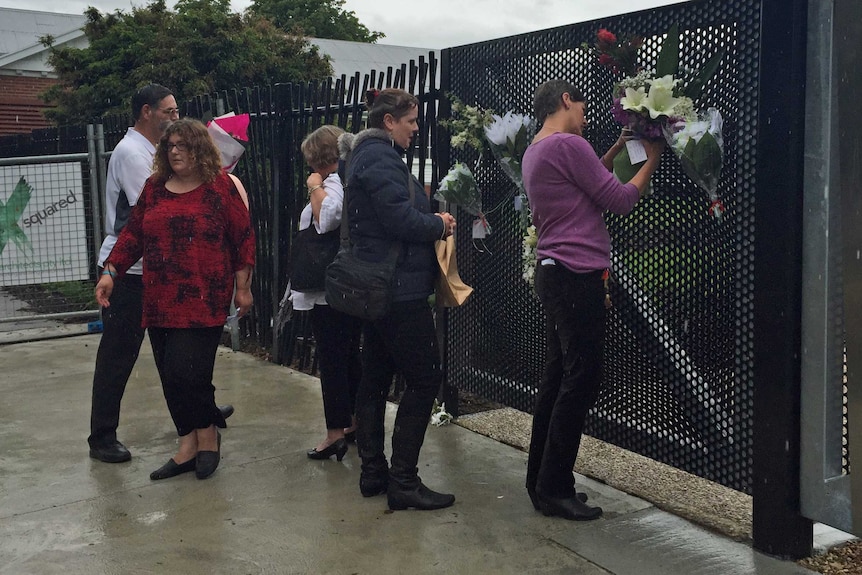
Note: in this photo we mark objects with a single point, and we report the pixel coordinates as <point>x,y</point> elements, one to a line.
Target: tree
<point>315,18</point>
<point>200,48</point>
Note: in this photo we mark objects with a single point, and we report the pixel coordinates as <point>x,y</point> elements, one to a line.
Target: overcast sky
<point>423,23</point>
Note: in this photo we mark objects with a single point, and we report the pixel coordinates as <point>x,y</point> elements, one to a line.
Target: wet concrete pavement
<point>268,509</point>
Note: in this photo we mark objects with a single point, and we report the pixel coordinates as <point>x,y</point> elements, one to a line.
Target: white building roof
<point>347,58</point>
<point>20,30</point>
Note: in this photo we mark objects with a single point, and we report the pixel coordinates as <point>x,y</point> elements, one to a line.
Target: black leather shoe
<point>172,469</point>
<point>419,497</point>
<point>207,462</point>
<point>350,436</point>
<point>337,448</point>
<point>112,453</point>
<point>226,411</point>
<point>570,508</point>
<point>535,498</point>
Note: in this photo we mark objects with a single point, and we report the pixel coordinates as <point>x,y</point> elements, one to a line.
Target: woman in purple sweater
<point>569,189</point>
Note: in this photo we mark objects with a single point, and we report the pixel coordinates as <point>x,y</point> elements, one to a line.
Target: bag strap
<point>395,248</point>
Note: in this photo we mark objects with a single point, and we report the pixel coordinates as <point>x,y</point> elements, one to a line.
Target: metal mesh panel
<point>678,367</point>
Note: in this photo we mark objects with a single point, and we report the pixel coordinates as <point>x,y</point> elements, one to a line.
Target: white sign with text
<point>43,229</point>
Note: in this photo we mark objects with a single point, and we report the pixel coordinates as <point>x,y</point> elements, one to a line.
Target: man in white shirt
<point>154,108</point>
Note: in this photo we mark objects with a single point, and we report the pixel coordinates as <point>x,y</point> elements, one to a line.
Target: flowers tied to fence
<point>507,136</point>
<point>467,125</point>
<point>619,55</point>
<point>700,148</point>
<point>660,103</point>
<point>528,256</point>
<point>459,187</point>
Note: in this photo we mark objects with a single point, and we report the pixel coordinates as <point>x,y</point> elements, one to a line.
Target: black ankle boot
<point>417,496</point>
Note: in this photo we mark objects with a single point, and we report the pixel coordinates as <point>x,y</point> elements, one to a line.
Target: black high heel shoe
<point>350,436</point>
<point>207,461</point>
<point>337,448</point>
<point>172,469</point>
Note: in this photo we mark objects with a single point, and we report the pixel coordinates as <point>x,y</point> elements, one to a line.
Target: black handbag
<point>357,287</point>
<point>310,254</point>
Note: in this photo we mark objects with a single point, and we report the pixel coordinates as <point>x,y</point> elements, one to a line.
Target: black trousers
<point>337,338</point>
<point>118,351</point>
<point>405,341</point>
<point>575,312</point>
<point>185,358</point>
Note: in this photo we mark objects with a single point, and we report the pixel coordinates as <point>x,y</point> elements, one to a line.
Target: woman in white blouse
<point>336,334</point>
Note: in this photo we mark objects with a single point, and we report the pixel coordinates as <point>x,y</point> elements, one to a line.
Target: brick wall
<point>20,106</point>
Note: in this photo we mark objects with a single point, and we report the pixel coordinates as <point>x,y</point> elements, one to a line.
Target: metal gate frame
<point>832,269</point>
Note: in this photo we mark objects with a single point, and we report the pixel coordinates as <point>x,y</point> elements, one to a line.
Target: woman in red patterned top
<point>192,227</point>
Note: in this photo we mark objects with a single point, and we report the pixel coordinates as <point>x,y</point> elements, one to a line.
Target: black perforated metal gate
<point>678,380</point>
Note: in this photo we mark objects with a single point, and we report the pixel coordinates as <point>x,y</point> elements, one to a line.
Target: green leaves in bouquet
<point>623,168</point>
<point>668,58</point>
<point>519,146</point>
<point>668,64</point>
<point>703,158</point>
<point>694,88</point>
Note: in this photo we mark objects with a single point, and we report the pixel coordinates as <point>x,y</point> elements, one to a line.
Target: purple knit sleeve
<point>591,176</point>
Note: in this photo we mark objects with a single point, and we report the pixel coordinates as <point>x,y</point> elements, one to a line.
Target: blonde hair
<point>203,153</point>
<point>320,148</point>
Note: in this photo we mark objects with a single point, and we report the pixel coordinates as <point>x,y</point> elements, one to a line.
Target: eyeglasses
<point>180,146</point>
<point>170,111</point>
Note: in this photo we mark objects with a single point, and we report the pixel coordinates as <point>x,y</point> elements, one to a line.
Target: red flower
<point>606,60</point>
<point>606,36</point>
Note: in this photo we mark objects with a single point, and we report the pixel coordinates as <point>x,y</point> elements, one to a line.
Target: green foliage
<point>199,48</point>
<point>668,58</point>
<point>695,87</point>
<point>315,18</point>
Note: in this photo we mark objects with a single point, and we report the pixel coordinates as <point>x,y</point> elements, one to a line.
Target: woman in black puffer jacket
<point>405,341</point>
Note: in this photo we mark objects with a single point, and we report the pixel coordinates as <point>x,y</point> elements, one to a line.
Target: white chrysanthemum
<point>506,127</point>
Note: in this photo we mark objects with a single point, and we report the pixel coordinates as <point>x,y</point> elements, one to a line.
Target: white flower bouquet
<point>459,187</point>
<point>700,148</point>
<point>439,415</point>
<point>528,258</point>
<point>508,136</point>
<point>659,103</point>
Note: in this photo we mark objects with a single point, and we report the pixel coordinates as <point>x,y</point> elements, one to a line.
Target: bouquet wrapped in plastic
<point>459,187</point>
<point>228,133</point>
<point>700,148</point>
<point>509,135</point>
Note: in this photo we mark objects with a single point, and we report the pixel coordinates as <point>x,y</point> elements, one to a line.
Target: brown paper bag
<point>451,291</point>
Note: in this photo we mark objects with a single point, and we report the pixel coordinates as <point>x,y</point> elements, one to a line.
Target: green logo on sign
<point>10,213</point>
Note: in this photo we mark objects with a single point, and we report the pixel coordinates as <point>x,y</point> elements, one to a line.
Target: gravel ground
<point>709,504</point>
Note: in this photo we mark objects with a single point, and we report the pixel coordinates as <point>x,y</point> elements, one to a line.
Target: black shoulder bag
<point>311,252</point>
<point>357,287</point>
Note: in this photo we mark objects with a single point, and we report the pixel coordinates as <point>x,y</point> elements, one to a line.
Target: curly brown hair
<point>203,153</point>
